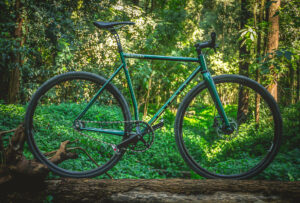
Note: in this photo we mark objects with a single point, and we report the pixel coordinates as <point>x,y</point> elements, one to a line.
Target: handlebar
<point>209,44</point>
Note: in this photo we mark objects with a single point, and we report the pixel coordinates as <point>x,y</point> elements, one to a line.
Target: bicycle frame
<point>201,68</point>
<point>175,94</point>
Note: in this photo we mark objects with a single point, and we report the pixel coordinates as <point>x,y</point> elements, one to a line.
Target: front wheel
<point>59,142</point>
<point>214,153</point>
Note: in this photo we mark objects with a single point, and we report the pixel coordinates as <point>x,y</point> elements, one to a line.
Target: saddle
<point>111,25</point>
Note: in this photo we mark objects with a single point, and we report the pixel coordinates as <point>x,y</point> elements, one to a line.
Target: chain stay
<point>114,147</point>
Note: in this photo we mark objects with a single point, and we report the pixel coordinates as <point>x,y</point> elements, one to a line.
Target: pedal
<point>159,125</point>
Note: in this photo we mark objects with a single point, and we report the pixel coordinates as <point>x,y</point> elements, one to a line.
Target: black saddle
<point>109,25</point>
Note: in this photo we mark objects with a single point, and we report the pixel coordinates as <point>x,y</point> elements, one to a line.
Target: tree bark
<point>261,5</point>
<point>14,74</point>
<point>272,43</point>
<point>291,81</point>
<point>164,190</point>
<point>15,168</point>
<point>153,5</point>
<point>147,97</point>
<point>243,67</point>
<point>298,82</point>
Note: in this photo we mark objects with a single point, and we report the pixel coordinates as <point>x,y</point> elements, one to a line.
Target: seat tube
<point>135,106</point>
<point>213,90</point>
<point>133,98</point>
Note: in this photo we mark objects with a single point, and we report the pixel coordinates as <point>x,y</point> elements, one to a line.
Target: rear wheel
<point>214,153</point>
<point>49,123</point>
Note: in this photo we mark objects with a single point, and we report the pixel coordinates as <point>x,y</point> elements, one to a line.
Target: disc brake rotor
<point>218,125</point>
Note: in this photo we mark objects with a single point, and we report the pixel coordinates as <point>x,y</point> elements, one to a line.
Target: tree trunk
<point>272,43</point>
<point>147,97</point>
<point>15,168</point>
<point>153,5</point>
<point>14,73</point>
<point>164,190</point>
<point>291,89</point>
<point>243,67</point>
<point>146,4</point>
<point>298,83</point>
<point>261,5</point>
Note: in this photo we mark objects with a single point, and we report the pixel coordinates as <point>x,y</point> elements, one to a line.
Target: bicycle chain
<point>149,127</point>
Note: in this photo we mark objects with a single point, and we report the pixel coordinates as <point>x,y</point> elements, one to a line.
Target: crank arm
<point>134,138</point>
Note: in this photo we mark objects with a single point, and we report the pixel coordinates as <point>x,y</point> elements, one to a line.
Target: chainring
<point>146,136</point>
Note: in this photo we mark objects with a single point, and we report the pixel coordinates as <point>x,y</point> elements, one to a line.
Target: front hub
<point>222,129</point>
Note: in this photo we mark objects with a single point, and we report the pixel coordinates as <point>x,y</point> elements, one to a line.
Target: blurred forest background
<point>256,38</point>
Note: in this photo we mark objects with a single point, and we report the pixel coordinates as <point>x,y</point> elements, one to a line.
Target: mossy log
<point>160,190</point>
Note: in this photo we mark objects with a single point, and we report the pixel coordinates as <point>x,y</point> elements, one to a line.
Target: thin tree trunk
<point>291,82</point>
<point>153,4</point>
<point>158,95</point>
<point>147,97</point>
<point>146,5</point>
<point>261,5</point>
<point>14,74</point>
<point>298,83</point>
<point>272,44</point>
<point>243,67</point>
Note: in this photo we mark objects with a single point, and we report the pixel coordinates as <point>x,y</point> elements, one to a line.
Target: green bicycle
<point>227,126</point>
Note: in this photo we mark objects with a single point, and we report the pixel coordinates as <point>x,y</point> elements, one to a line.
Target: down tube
<point>176,93</point>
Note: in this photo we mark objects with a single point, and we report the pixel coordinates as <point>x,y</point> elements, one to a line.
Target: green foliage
<point>59,37</point>
<point>11,116</point>
<point>248,36</point>
<point>291,120</point>
<point>163,160</point>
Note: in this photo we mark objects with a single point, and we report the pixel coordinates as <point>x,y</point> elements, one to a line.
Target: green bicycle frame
<point>202,68</point>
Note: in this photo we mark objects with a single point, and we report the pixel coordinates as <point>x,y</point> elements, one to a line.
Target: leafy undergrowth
<point>163,160</point>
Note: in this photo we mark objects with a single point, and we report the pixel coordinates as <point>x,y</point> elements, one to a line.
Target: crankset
<point>141,137</point>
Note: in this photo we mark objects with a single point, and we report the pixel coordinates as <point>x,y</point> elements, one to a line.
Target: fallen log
<point>160,190</point>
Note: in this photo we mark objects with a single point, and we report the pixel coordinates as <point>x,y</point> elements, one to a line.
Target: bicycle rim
<point>50,122</point>
<point>249,149</point>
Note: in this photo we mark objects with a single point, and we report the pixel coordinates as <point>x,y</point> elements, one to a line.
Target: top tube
<point>158,57</point>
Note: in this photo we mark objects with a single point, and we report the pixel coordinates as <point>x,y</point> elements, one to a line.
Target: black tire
<point>214,154</point>
<point>49,121</point>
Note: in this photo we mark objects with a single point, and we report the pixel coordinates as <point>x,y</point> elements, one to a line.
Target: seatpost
<point>116,36</point>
